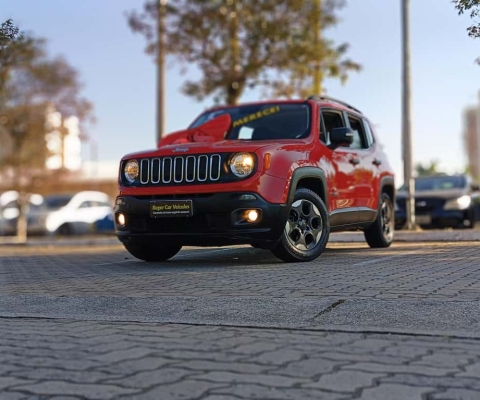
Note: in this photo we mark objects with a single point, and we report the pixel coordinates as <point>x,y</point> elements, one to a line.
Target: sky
<point>120,79</point>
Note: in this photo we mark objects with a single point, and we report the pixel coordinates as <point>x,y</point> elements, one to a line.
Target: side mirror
<point>475,187</point>
<point>341,137</point>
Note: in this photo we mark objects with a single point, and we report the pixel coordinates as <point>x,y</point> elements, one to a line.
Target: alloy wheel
<point>304,225</point>
<point>387,220</point>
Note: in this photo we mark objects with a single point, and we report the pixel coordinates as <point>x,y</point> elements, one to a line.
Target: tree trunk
<point>22,218</point>
<point>233,94</point>
<point>317,71</point>
<point>234,91</point>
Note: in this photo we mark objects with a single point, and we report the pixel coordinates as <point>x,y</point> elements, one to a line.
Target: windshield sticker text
<point>257,115</point>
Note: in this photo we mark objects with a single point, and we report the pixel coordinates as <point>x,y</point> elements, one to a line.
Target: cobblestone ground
<point>95,360</point>
<point>86,355</point>
<point>444,271</point>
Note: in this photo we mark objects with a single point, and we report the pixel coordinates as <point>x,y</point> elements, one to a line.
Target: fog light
<point>252,215</point>
<point>121,219</point>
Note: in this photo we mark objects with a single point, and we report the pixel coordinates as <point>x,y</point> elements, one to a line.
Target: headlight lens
<point>131,170</point>
<point>242,164</point>
<point>458,204</point>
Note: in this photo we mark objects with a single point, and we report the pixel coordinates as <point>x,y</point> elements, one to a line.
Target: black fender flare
<point>390,182</point>
<point>307,172</point>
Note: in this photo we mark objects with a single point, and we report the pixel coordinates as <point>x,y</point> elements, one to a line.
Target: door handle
<point>376,162</point>
<point>354,161</point>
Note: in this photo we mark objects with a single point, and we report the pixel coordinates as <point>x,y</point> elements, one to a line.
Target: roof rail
<point>328,98</point>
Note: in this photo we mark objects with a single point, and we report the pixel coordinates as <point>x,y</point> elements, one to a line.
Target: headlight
<point>131,170</point>
<point>241,164</point>
<point>458,204</point>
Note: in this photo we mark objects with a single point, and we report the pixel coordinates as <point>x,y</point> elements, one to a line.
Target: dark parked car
<point>441,201</point>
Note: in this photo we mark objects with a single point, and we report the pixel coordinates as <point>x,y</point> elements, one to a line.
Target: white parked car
<point>77,213</point>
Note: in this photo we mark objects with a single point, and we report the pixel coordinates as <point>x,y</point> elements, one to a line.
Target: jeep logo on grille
<point>180,149</point>
<point>421,203</point>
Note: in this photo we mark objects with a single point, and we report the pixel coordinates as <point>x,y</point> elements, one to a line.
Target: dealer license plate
<point>423,219</point>
<point>171,208</point>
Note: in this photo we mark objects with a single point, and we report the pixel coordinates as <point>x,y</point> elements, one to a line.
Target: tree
<point>427,169</point>
<point>244,44</point>
<point>472,6</point>
<point>31,83</point>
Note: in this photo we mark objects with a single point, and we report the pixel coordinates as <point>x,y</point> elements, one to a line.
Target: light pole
<point>161,44</point>
<point>407,117</point>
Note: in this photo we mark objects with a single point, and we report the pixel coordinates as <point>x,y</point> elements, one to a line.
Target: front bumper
<point>436,218</point>
<point>213,222</point>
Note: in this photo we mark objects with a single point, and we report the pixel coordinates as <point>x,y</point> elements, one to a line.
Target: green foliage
<point>30,81</point>
<point>273,45</point>
<point>427,169</point>
<point>472,6</point>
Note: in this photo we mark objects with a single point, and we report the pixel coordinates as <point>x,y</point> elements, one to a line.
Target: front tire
<point>472,219</point>
<point>151,253</point>
<point>380,233</point>
<point>65,230</point>
<point>307,229</point>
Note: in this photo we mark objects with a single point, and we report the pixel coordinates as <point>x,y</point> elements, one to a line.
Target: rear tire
<point>151,253</point>
<point>380,233</point>
<point>306,230</point>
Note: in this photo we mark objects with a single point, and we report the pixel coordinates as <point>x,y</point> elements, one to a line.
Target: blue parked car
<point>105,225</point>
<point>441,201</point>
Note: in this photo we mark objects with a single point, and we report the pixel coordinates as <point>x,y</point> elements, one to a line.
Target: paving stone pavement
<point>90,322</point>
<point>52,359</point>
<point>446,271</point>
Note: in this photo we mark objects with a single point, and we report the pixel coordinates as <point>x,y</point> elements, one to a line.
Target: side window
<point>103,204</point>
<point>369,133</point>
<point>85,204</point>
<point>329,120</point>
<point>359,141</point>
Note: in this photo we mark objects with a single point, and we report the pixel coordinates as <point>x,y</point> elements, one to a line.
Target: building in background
<point>471,137</point>
<point>54,156</point>
<point>63,141</point>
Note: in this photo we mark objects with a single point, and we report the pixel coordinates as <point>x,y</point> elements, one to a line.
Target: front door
<point>343,205</point>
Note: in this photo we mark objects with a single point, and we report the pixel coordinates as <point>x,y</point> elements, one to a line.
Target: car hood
<point>224,146</point>
<point>451,193</point>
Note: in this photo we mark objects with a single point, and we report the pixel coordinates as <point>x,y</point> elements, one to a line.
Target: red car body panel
<point>347,184</point>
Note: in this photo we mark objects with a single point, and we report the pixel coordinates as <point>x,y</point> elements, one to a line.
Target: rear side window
<point>368,133</point>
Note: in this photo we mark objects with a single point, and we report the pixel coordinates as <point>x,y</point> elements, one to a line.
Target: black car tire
<point>151,253</point>
<point>380,233</point>
<point>307,229</point>
<point>472,219</point>
<point>65,230</point>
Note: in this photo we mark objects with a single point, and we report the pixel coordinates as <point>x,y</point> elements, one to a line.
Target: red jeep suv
<point>278,175</point>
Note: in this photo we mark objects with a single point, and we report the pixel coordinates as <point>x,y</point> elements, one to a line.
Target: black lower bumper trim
<point>213,223</point>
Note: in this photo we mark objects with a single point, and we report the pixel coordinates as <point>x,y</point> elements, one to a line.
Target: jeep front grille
<point>199,168</point>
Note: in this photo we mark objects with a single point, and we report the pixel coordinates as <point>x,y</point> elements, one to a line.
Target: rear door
<point>364,174</point>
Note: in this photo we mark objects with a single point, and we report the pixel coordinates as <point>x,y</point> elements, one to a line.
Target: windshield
<point>438,183</point>
<point>264,121</point>
<point>55,202</point>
